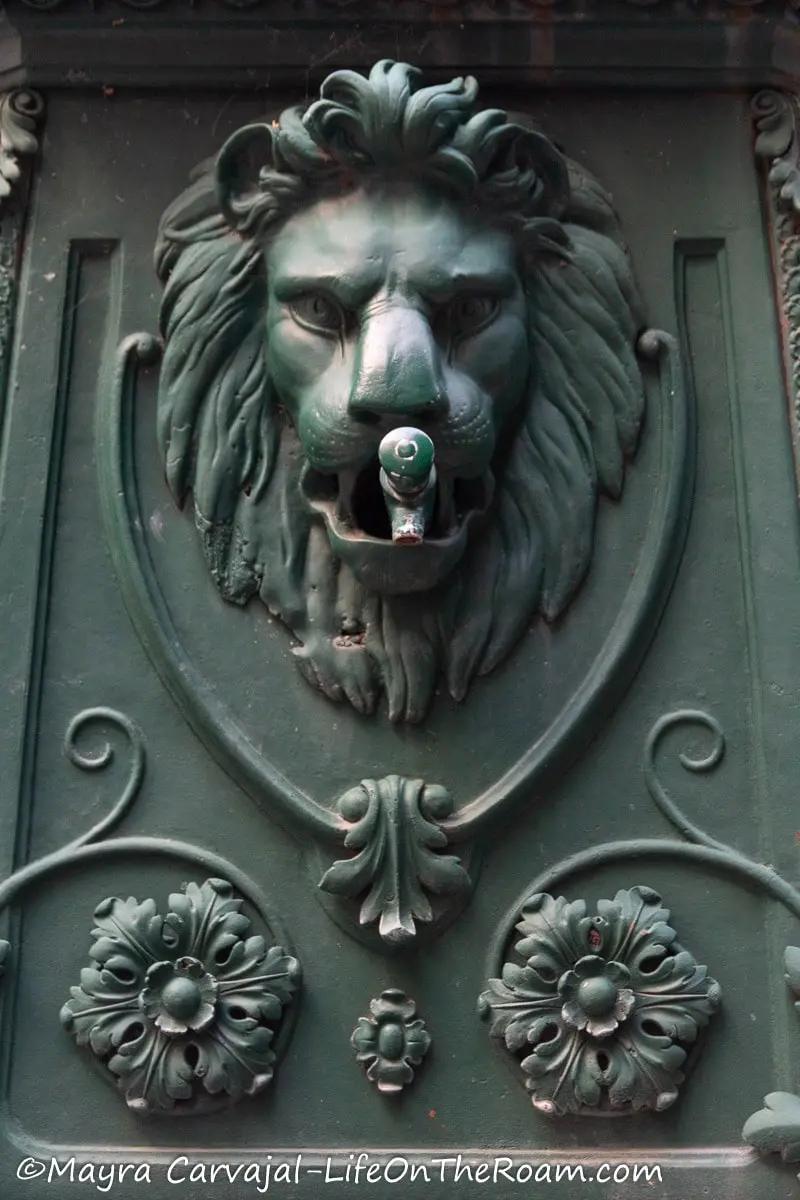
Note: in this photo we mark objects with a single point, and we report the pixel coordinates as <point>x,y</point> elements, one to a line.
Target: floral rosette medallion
<point>184,1008</point>
<point>391,1042</point>
<point>603,1006</point>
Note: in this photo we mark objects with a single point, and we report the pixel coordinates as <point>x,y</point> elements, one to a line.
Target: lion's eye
<point>470,313</point>
<point>319,313</point>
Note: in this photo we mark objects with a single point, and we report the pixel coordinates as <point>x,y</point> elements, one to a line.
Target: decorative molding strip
<point>393,824</point>
<point>391,1042</point>
<point>544,9</point>
<point>777,145</point>
<point>604,1007</point>
<point>21,113</point>
<point>182,1008</point>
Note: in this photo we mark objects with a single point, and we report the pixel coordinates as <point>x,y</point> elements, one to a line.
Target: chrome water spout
<point>408,480</point>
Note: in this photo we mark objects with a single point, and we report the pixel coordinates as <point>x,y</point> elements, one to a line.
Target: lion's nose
<point>398,370</point>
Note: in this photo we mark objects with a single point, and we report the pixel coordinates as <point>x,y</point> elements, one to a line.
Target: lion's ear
<point>239,166</point>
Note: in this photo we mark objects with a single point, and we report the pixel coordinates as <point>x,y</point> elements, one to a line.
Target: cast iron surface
<point>727,643</point>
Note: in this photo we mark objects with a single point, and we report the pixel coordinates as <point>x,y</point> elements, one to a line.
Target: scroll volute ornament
<point>404,261</point>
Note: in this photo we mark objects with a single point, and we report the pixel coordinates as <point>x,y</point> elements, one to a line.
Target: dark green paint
<point>542,760</point>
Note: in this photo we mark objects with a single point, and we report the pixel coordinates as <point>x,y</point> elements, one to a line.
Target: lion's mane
<point>226,440</point>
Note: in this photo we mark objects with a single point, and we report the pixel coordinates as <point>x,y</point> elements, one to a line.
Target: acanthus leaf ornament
<point>776,118</point>
<point>393,826</point>
<point>21,111</point>
<point>603,1006</point>
<point>391,1042</point>
<point>777,146</point>
<point>775,1128</point>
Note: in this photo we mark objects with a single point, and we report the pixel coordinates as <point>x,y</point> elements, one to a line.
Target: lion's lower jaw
<point>390,568</point>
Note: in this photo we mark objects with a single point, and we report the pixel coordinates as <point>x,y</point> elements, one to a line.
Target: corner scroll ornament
<point>186,1011</point>
<point>603,1005</point>
<point>392,824</point>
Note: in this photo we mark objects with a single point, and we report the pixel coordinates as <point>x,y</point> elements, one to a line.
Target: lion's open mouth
<point>353,501</point>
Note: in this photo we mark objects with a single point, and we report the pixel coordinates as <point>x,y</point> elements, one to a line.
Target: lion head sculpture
<point>384,257</point>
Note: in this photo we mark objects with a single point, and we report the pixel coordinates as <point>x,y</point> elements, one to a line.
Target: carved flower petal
<point>680,997</point>
<point>552,1070</point>
<point>393,1005</point>
<point>101,1026</point>
<point>626,1002</point>
<point>389,1074</point>
<point>591,966</point>
<point>618,974</point>
<point>129,929</point>
<point>637,926</point>
<point>555,933</point>
<point>203,1017</point>
<point>418,1042</point>
<point>253,969</point>
<point>643,1072</point>
<point>171,1026</point>
<point>514,1010</point>
<point>153,1072</point>
<point>158,975</point>
<point>365,1037</point>
<point>239,1006</point>
<point>601,1027</point>
<point>574,1015</point>
<point>234,1060</point>
<point>204,921</point>
<point>568,985</point>
<point>110,987</point>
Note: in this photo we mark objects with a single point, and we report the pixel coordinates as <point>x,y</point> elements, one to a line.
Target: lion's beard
<point>352,644</point>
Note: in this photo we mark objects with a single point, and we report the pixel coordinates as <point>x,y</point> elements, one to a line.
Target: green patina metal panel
<point>399,530</point>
